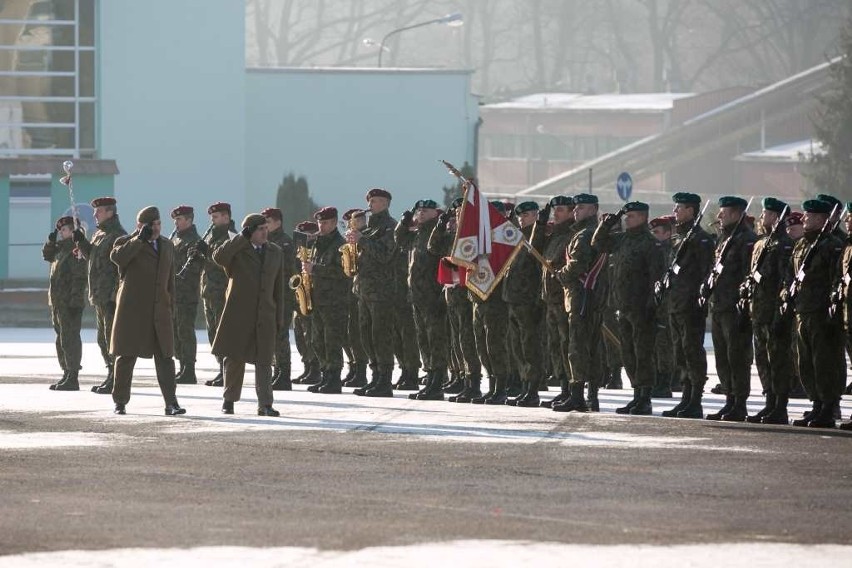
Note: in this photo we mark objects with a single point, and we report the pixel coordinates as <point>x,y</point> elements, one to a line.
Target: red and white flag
<point>485,244</point>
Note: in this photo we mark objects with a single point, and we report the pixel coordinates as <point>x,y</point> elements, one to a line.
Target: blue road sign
<point>624,186</point>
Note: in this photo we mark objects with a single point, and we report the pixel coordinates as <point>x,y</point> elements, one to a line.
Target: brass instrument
<point>349,252</point>
<point>301,283</point>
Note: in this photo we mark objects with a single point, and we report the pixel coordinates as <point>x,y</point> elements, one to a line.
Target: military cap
<point>457,202</point>
<point>181,210</point>
<point>307,227</point>
<point>353,213</point>
<point>425,204</point>
<point>62,221</point>
<point>219,207</point>
<point>686,197</point>
<point>817,206</point>
<point>525,206</point>
<point>830,199</point>
<point>378,192</point>
<point>636,206</point>
<point>148,215</point>
<point>499,206</point>
<point>794,218</point>
<point>272,213</point>
<point>562,200</point>
<point>664,221</point>
<point>585,199</point>
<point>103,201</point>
<point>253,220</point>
<point>325,214</point>
<point>772,204</point>
<point>732,201</point>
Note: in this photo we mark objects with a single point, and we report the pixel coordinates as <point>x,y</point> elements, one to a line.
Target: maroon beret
<point>103,201</point>
<point>378,192</point>
<point>794,218</point>
<point>353,213</point>
<point>62,221</point>
<point>272,213</point>
<point>219,207</point>
<point>307,227</point>
<point>325,214</point>
<point>182,210</point>
<point>664,221</point>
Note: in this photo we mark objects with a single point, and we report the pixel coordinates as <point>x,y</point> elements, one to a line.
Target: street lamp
<point>453,20</point>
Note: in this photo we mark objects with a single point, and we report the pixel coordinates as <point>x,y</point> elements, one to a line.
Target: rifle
<point>712,279</point>
<point>192,255</point>
<point>838,296</point>
<point>665,282</point>
<point>789,298</point>
<point>754,277</point>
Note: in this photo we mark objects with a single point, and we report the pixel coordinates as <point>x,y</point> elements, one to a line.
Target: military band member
<point>187,286</point>
<point>103,277</point>
<point>412,235</point>
<point>686,319</point>
<point>213,278</point>
<point>353,346</point>
<point>329,297</point>
<point>302,328</point>
<point>772,333</point>
<point>144,309</point>
<point>66,296</point>
<point>375,284</point>
<point>281,379</point>
<point>578,278</point>
<point>732,346</point>
<point>253,311</point>
<point>637,261</point>
<point>666,377</point>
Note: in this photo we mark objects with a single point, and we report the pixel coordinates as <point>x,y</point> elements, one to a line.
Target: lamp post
<point>454,20</point>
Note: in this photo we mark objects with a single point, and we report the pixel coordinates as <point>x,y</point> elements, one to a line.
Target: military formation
<point>588,295</point>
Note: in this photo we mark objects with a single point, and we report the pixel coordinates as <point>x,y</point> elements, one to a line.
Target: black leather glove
<point>609,220</point>
<point>407,218</point>
<point>247,232</point>
<point>52,236</point>
<point>77,235</point>
<point>145,233</point>
<point>202,247</point>
<point>544,215</point>
<point>444,218</point>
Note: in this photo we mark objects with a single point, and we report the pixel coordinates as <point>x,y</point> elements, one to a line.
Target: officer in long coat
<point>253,312</point>
<point>144,308</point>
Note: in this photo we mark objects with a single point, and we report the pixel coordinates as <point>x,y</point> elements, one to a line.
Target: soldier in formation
<point>185,239</point>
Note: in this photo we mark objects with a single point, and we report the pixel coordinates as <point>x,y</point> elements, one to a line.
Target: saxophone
<point>349,253</point>
<point>301,283</point>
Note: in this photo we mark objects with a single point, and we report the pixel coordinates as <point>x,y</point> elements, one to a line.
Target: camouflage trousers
<point>430,319</point>
<point>282,342</point>
<point>558,338</point>
<point>460,314</point>
<point>490,328</point>
<point>819,340</point>
<point>104,314</point>
<point>525,319</point>
<point>663,349</point>
<point>584,344</point>
<point>214,304</point>
<point>328,330</point>
<point>636,332</point>
<point>687,333</point>
<point>353,346</point>
<point>304,341</point>
<point>405,345</point>
<point>732,350</point>
<point>186,345</point>
<point>69,346</point>
<point>376,321</point>
<point>610,353</point>
<point>773,357</point>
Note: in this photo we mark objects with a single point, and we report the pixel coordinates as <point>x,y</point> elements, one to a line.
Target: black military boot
<point>374,380</point>
<point>473,390</point>
<point>778,414</point>
<point>575,402</point>
<point>694,408</point>
<point>314,375</point>
<point>70,383</point>
<point>384,385</point>
<point>739,412</point>
<point>332,384</point>
<point>433,390</point>
<point>514,386</point>
<point>717,389</point>
<point>106,386</point>
<point>846,426</point>
<point>662,386</point>
<point>685,396</point>
<point>629,406</point>
<point>492,385</point>
<point>455,385</point>
<point>359,379</point>
<point>809,414</point>
<point>500,393</point>
<point>643,403</point>
<point>322,382</point>
<point>430,378</point>
<point>60,381</point>
<point>187,374</point>
<point>218,380</point>
<point>408,381</point>
<point>564,395</point>
<point>525,389</point>
<point>282,381</point>
<point>592,399</point>
<point>825,417</point>
<point>726,408</point>
<point>767,408</point>
<point>531,399</point>
<point>298,380</point>
<point>614,380</point>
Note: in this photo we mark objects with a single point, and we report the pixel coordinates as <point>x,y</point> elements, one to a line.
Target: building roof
<point>646,102</point>
<point>790,152</point>
<point>46,165</point>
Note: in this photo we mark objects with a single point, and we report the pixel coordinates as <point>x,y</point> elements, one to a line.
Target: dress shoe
<point>174,409</point>
<point>227,407</point>
<point>267,411</point>
<point>119,409</point>
<point>217,381</point>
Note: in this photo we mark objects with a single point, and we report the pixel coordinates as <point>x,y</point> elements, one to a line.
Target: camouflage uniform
<point>329,297</point>
<point>186,296</point>
<point>666,375</point>
<point>214,282</point>
<point>282,344</point>
<point>556,318</point>
<point>405,345</point>
<point>66,298</point>
<point>490,328</point>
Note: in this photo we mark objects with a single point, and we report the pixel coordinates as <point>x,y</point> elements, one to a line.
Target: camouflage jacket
<point>776,273</point>
<point>637,261</point>
<point>695,263</point>
<point>737,263</point>
<point>823,271</point>
<point>67,275</point>
<point>522,282</point>
<point>580,259</point>
<point>556,243</point>
<point>844,277</point>
<point>422,278</point>
<point>376,278</point>
<point>187,285</point>
<point>331,287</point>
<point>214,281</point>
<point>291,263</point>
<point>103,274</point>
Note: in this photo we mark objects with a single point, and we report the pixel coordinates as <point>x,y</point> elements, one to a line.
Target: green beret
<point>585,199</point>
<point>687,198</point>
<point>817,206</point>
<point>253,220</point>
<point>525,206</point>
<point>499,206</point>
<point>772,204</point>
<point>732,201</point>
<point>562,200</point>
<point>425,204</point>
<point>148,215</point>
<point>636,206</point>
<point>830,199</point>
<point>457,202</point>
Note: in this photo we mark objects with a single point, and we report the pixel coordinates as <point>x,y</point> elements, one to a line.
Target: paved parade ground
<point>343,480</point>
